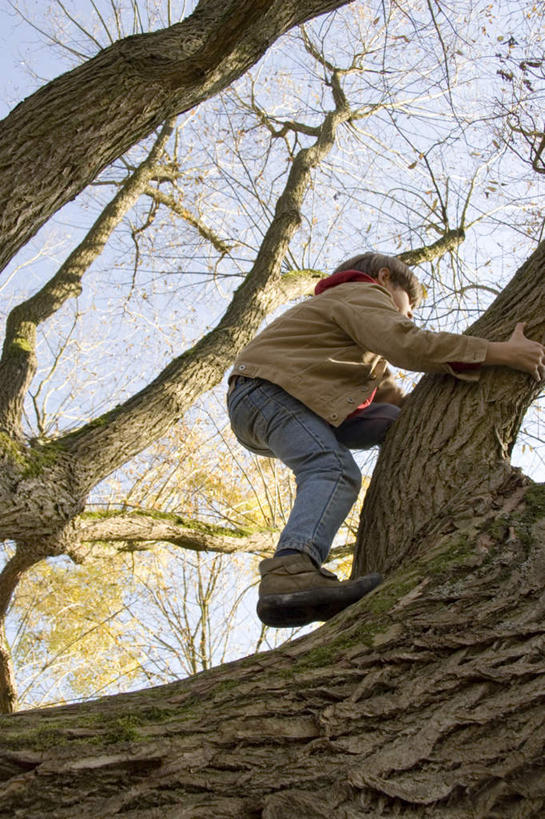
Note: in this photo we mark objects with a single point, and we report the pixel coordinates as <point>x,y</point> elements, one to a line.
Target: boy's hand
<point>519,353</point>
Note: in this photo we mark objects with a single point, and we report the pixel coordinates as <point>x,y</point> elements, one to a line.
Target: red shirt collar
<point>341,278</point>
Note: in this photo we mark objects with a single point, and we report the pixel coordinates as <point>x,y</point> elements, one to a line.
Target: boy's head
<point>400,275</point>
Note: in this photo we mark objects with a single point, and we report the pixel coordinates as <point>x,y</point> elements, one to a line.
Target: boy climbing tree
<point>314,385</point>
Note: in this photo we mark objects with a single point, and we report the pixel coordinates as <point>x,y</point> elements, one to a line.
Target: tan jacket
<point>330,352</point>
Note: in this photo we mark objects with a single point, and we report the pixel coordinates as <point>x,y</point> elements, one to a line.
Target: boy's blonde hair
<point>400,274</point>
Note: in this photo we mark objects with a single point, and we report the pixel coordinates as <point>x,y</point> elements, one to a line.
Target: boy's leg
<point>270,422</point>
<point>368,427</point>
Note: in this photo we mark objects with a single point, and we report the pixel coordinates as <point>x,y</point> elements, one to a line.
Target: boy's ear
<point>383,276</point>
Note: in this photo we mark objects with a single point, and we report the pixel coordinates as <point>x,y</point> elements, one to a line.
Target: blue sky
<point>17,40</point>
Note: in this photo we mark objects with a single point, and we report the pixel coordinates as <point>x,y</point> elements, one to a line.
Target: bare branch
<point>448,242</point>
<point>141,530</point>
<point>136,530</point>
<point>176,207</point>
<point>18,362</point>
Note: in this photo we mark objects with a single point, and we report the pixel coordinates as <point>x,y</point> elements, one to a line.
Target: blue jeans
<point>270,422</point>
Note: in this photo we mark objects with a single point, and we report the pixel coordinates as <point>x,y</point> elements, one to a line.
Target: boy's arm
<point>372,320</point>
<point>519,353</point>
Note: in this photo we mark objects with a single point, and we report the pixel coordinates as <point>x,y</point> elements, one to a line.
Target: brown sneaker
<point>294,591</point>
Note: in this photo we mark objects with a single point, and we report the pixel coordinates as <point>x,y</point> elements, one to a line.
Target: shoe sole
<point>319,604</point>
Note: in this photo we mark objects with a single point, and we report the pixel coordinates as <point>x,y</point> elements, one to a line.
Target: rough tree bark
<point>56,141</point>
<point>424,700</point>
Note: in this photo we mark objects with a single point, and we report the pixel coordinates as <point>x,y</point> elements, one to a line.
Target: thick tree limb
<point>8,687</point>
<point>58,140</point>
<point>134,530</point>
<point>425,700</point>
<point>138,531</point>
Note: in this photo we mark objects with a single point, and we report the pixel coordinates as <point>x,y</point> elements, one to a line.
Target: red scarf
<point>342,277</point>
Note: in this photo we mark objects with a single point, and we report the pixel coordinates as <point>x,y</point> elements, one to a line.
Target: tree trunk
<point>59,139</point>
<point>423,700</point>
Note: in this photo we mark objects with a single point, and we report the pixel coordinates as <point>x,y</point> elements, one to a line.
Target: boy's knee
<point>352,474</point>
<point>387,414</point>
<point>391,412</point>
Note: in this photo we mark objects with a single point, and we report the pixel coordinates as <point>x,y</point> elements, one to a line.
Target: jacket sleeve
<point>371,319</point>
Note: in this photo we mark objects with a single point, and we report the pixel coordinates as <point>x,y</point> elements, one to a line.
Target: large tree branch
<point>59,139</point>
<point>138,530</point>
<point>8,686</point>
<point>18,362</point>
